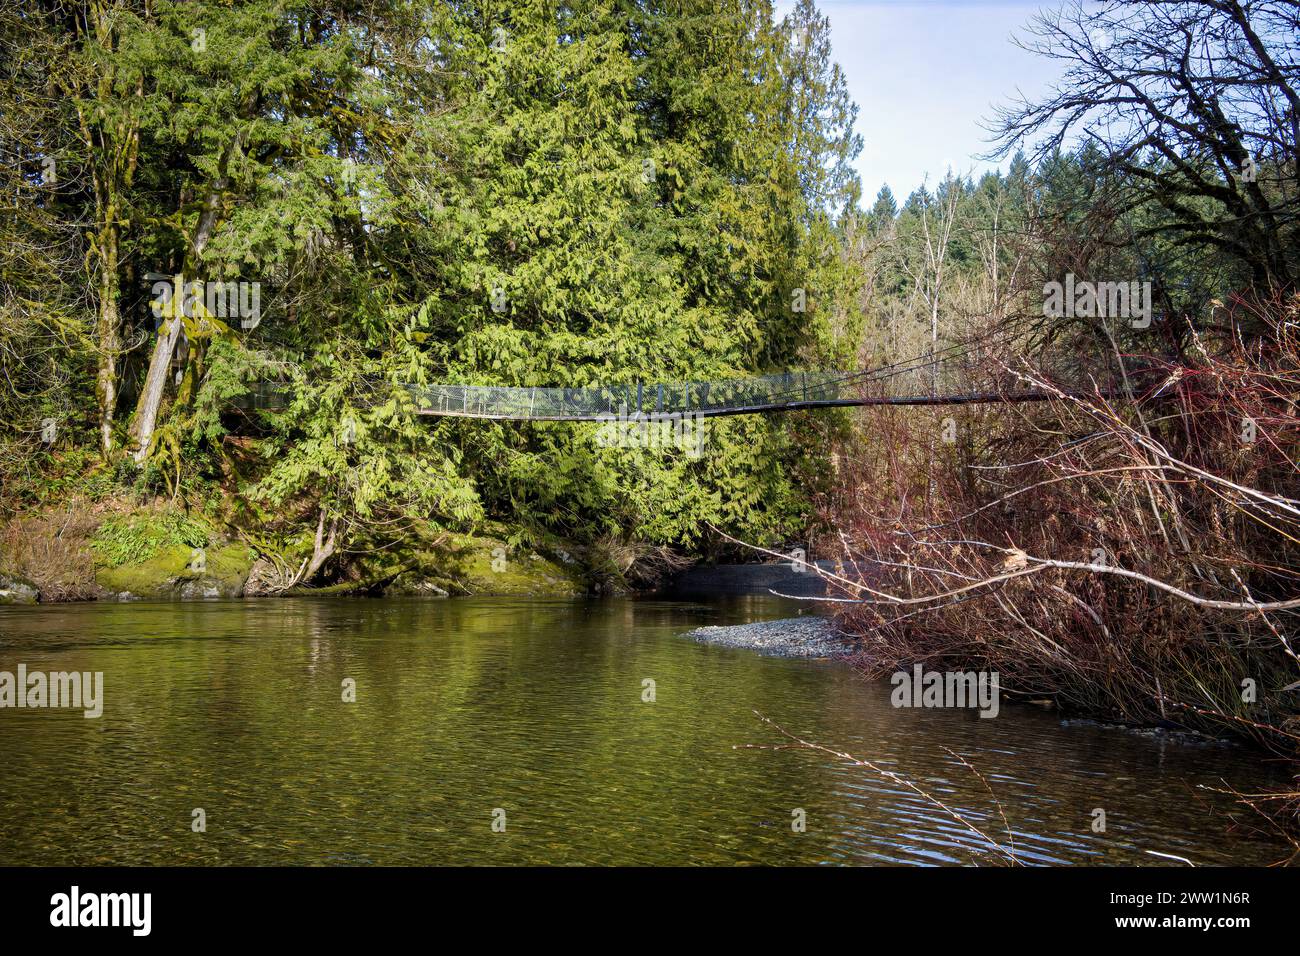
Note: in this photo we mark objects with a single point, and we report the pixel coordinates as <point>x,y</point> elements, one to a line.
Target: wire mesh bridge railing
<point>951,376</point>
<point>740,396</point>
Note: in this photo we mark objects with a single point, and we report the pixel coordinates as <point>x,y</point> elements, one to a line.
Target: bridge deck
<point>932,383</point>
<point>972,398</point>
<point>928,381</point>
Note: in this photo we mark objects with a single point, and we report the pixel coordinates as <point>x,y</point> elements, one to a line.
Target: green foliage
<point>135,538</point>
<point>596,192</point>
<point>634,201</point>
<point>350,447</point>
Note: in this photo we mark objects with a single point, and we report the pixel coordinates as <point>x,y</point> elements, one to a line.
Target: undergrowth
<point>131,539</point>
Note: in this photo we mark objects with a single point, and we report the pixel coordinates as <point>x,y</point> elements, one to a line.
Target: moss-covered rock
<point>177,573</point>
<point>125,552</point>
<point>17,590</point>
<point>488,566</point>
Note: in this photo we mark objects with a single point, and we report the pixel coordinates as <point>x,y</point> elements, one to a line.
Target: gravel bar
<point>790,637</point>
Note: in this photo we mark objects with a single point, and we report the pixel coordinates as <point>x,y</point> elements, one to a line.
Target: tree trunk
<point>108,339</point>
<point>115,144</point>
<point>146,413</point>
<point>322,549</point>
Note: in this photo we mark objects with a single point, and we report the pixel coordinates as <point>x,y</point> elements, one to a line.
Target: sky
<point>924,73</point>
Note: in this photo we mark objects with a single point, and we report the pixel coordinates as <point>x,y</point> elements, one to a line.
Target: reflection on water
<point>535,707</point>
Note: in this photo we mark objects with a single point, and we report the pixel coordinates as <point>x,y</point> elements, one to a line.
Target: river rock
<point>489,567</point>
<point>1181,735</point>
<point>784,577</point>
<point>170,574</point>
<point>16,590</point>
<point>413,586</point>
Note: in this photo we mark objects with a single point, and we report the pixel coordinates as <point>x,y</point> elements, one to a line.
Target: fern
<point>138,538</point>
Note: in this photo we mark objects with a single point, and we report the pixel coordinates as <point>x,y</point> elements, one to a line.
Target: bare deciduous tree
<point>1196,106</point>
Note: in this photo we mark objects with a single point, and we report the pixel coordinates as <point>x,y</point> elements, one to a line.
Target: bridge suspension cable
<point>944,376</point>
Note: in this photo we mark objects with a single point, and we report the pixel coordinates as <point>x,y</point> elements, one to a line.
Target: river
<point>533,715</point>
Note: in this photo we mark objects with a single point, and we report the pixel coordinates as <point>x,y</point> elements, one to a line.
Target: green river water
<point>535,708</point>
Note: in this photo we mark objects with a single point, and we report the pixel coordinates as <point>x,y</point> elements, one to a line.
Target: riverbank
<point>115,547</point>
<point>116,550</point>
<point>813,637</point>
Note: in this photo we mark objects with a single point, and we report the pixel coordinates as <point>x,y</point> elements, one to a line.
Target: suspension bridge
<point>956,375</point>
<point>740,396</point>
